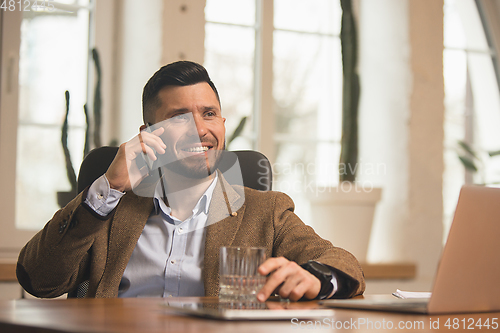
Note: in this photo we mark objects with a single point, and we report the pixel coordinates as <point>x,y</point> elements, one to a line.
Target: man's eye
<point>180,117</point>
<point>211,114</point>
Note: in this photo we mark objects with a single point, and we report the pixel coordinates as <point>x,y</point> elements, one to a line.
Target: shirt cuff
<point>101,198</point>
<point>335,285</point>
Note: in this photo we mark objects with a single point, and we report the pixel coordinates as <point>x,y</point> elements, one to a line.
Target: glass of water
<point>239,276</point>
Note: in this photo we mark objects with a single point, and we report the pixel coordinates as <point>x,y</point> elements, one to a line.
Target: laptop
<point>468,276</point>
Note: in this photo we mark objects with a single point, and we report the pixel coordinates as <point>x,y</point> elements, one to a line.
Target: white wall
<point>184,27</point>
<point>139,55</point>
<point>105,41</point>
<point>384,114</point>
<point>402,119</point>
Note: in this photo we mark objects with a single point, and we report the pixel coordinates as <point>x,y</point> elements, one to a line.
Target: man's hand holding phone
<point>124,172</point>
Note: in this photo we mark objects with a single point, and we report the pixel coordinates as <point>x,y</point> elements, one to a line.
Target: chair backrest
<point>94,165</point>
<point>255,168</point>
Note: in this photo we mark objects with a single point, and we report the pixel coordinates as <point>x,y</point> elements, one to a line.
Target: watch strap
<point>328,282</point>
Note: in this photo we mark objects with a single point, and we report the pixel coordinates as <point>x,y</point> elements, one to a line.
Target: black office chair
<point>255,168</point>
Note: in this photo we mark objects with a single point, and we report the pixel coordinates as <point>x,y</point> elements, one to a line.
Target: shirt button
<point>172,262</point>
<point>99,196</point>
<point>180,230</point>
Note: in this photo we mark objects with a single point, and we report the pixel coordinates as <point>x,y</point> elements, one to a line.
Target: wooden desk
<point>372,271</point>
<point>389,271</point>
<point>147,315</point>
<point>8,270</point>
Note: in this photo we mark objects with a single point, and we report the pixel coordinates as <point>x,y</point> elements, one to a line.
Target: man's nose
<point>201,128</point>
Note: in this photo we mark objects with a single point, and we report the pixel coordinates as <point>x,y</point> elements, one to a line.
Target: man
<point>127,244</point>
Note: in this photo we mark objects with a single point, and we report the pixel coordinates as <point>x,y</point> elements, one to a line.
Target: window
<point>44,53</point>
<point>472,101</point>
<point>53,59</point>
<point>306,83</point>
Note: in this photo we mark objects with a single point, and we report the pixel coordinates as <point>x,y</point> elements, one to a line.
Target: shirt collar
<point>201,206</point>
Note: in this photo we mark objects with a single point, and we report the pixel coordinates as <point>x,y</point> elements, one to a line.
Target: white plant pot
<point>344,216</point>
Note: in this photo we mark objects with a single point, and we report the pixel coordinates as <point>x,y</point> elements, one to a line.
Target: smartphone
<point>143,160</point>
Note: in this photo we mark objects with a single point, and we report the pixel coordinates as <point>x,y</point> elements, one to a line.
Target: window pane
<point>486,100</point>
<point>229,59</point>
<point>41,173</point>
<point>230,11</point>
<point>473,32</point>
<point>307,91</point>
<point>455,80</point>
<point>321,16</point>
<point>53,59</point>
<point>454,35</point>
<point>307,85</point>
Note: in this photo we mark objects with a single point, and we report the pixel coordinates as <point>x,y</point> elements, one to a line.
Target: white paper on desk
<point>411,294</point>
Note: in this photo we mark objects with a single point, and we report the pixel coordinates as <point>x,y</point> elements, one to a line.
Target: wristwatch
<point>324,275</point>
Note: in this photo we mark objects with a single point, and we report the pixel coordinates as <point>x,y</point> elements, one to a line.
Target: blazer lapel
<point>221,230</point>
<point>126,229</point>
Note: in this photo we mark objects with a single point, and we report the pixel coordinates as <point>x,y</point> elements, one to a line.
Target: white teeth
<point>196,149</point>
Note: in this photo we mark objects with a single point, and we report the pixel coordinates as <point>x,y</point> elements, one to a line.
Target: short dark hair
<point>180,73</point>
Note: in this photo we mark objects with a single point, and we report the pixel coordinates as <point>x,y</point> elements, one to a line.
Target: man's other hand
<point>288,280</point>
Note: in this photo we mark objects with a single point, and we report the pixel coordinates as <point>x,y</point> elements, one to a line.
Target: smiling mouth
<point>196,149</point>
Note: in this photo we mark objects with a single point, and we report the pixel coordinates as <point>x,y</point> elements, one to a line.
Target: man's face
<point>194,128</point>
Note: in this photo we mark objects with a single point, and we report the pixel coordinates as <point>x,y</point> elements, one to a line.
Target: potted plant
<point>344,214</point>
<point>64,197</point>
<point>477,161</point>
